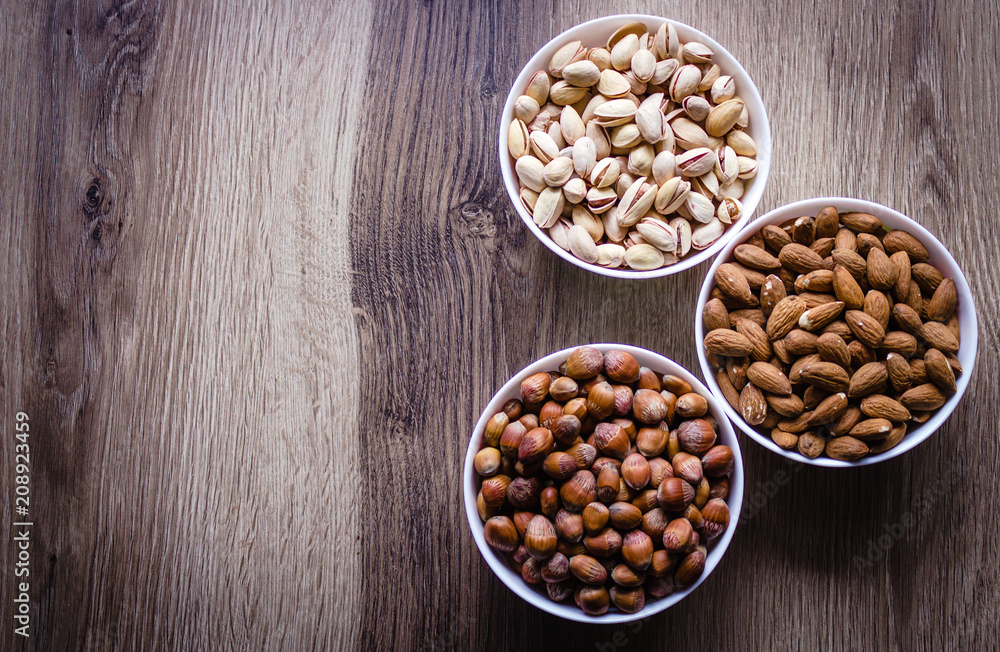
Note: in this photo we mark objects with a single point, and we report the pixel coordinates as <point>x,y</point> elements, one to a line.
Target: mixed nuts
<point>604,482</point>
<point>633,154</point>
<point>833,334</point>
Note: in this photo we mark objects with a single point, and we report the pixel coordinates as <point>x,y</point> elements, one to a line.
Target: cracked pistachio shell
<point>664,167</point>
<point>596,133</point>
<point>622,51</point>
<point>610,254</point>
<point>588,112</point>
<point>643,65</point>
<point>667,43</point>
<point>548,207</point>
<point>744,118</point>
<point>605,172</point>
<point>571,125</point>
<point>538,87</point>
<point>671,195</point>
<point>636,29</point>
<point>688,134</point>
<point>575,190</point>
<point>709,78</point>
<point>747,167</point>
<point>581,244</point>
<point>707,184</point>
<point>683,230</point>
<point>593,224</point>
<point>555,133</point>
<point>640,160</point>
<point>613,84</point>
<point>704,235</point>
<point>723,88</point>
<point>601,199</point>
<point>583,73</point>
<point>612,229</point>
<point>648,118</point>
<point>559,232</point>
<point>601,58</point>
<point>666,142</point>
<point>643,257</point>
<point>528,198</point>
<point>730,210</point>
<point>664,71</point>
<point>543,146</point>
<point>695,52</point>
<point>636,201</point>
<point>727,167</point>
<point>562,93</point>
<point>684,82</point>
<point>567,54</point>
<point>697,107</point>
<point>742,143</point>
<point>517,139</point>
<point>584,156</point>
<point>658,233</point>
<point>615,112</point>
<point>558,171</point>
<point>526,108</point>
<point>696,162</point>
<point>530,173</point>
<point>625,136</point>
<point>699,207</point>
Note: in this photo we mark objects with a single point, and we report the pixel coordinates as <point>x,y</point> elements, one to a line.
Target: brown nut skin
<point>690,568</point>
<point>535,446</point>
<point>531,571</point>
<point>556,568</point>
<point>621,366</point>
<point>674,494</point>
<point>608,484</point>
<point>628,600</point>
<point>637,549</point>
<point>578,491</point>
<point>501,534</point>
<point>560,591</point>
<point>606,543</point>
<point>654,522</point>
<point>560,466</point>
<point>549,501</point>
<point>696,436</point>
<point>718,461</point>
<point>659,587</point>
<point>593,600</point>
<point>524,493</point>
<point>535,387</point>
<point>649,407</point>
<point>551,410</point>
<point>569,526</point>
<point>635,471</point>
<point>677,535</point>
<point>595,517</point>
<point>588,570</point>
<point>687,467</point>
<point>584,362</point>
<point>691,405</point>
<point>624,516</point>
<point>716,518</point>
<point>624,576</point>
<point>540,537</point>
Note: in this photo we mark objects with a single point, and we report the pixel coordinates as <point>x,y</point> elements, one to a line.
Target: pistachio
<point>643,65</point>
<point>596,133</point>
<point>671,195</point>
<point>604,173</point>
<point>635,202</point>
<point>581,244</point>
<point>517,139</point>
<point>584,73</point>
<point>664,70</point>
<point>543,146</point>
<point>704,235</point>
<point>730,210</point>
<point>613,84</point>
<point>747,167</point>
<point>586,219</point>
<point>640,160</point>
<point>723,117</point>
<point>548,207</point>
<point>525,108</point>
<point>664,167</point>
<point>564,56</point>
<point>742,143</point>
<point>571,125</point>
<point>559,232</point>
<point>648,118</point>
<point>615,112</point>
<point>644,257</point>
<point>610,255</point>
<point>723,88</point>
<point>697,107</point>
<point>684,82</point>
<point>625,137</point>
<point>538,87</point>
<point>701,209</point>
<point>530,172</point>
<point>696,162</point>
<point>683,229</point>
<point>623,50</point>
<point>727,166</point>
<point>601,199</point>
<point>658,233</point>
<point>695,52</point>
<point>575,190</point>
<point>689,135</point>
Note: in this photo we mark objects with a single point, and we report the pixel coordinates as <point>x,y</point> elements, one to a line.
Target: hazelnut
<point>556,569</point>
<point>501,534</point>
<point>677,536</point>
<point>605,543</point>
<point>651,441</point>
<point>588,570</point>
<point>629,600</point>
<point>511,438</point>
<point>531,571</point>
<point>550,501</point>
<point>691,405</point>
<point>690,568</point>
<point>566,429</point>
<point>659,470</point>
<point>535,446</point>
<point>569,526</point>
<point>649,380</point>
<point>540,537</point>
<point>624,516</point>
<point>585,454</point>
<point>593,600</point>
<point>595,517</point>
<point>637,549</point>
<point>494,428</point>
<point>674,494</point>
<point>716,518</point>
<point>559,591</point>
<point>584,362</point>
<point>563,389</point>
<point>696,436</point>
<point>550,411</point>
<point>535,387</point>
<point>578,491</point>
<point>495,490</point>
<point>621,366</point>
<point>676,385</point>
<point>487,462</point>
<point>654,522</point>
<point>649,406</point>
<point>662,563</point>
<point>523,493</point>
<point>611,440</point>
<point>623,399</point>
<point>687,467</point>
<point>659,587</point>
<point>718,461</point>
<point>627,577</point>
<point>635,471</point>
<point>513,409</point>
<point>560,465</point>
<point>601,400</point>
<point>608,482</point>
<point>645,500</point>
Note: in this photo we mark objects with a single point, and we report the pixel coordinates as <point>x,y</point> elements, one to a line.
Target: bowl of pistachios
<point>603,483</point>
<point>634,146</point>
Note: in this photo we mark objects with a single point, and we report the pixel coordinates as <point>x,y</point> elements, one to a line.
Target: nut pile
<point>604,482</point>
<point>633,154</point>
<point>833,334</point>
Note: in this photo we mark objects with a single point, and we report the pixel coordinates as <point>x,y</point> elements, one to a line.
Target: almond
<point>812,396</point>
<point>825,375</point>
<point>846,449</point>
<point>736,369</point>
<point>769,378</point>
<point>861,222</point>
<point>733,283</point>
<point>942,304</point>
<point>799,258</point>
<point>901,262</point>
<point>840,329</point>
<point>804,230</point>
<point>820,280</point>
<point>908,319</point>
<point>877,305</point>
<point>829,409</point>
<point>939,370</point>
<point>871,429</point>
<point>918,372</point>
<point>851,261</point>
<point>728,389</point>
<point>816,299</point>
<point>879,406</point>
<point>846,422</point>
<point>771,293</point>
<point>811,445</point>
<point>797,425</point>
<point>800,342</point>
<point>723,341</point>
<point>865,327</point>
<point>832,348</point>
<point>780,352</point>
<point>784,439</point>
<point>845,239</point>
<point>789,406</point>
<point>785,316</point>
<point>860,354</point>
<point>899,342</point>
<point>847,289</point>
<point>822,246</point>
<point>868,379</point>
<point>867,242</point>
<point>795,372</point>
<point>928,277</point>
<point>715,315</point>
<point>758,338</point>
<point>818,317</point>
<point>900,375</point>
<point>881,272</point>
<point>915,299</point>
<point>827,222</point>
<point>756,257</point>
<point>895,436</point>
<point>753,407</point>
<point>923,397</point>
<point>899,240</point>
<point>939,336</point>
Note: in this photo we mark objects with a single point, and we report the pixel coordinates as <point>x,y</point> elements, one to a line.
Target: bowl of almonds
<point>603,483</point>
<point>634,146</point>
<point>838,332</point>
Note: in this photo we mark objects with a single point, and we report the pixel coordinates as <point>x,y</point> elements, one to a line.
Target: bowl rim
<point>750,95</point>
<point>513,581</point>
<point>967,351</point>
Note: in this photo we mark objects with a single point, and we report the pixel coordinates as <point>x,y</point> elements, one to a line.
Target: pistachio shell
<point>622,51</point>
<point>584,73</point>
<point>644,257</point>
<point>530,172</point>
<point>584,156</point>
<point>696,162</point>
<point>658,233</point>
<point>517,139</point>
<point>581,244</point>
<point>567,54</point>
<point>684,82</point>
<point>671,195</point>
<point>610,255</point>
<point>548,207</point>
<point>571,125</point>
<point>742,143</point>
<point>615,112</point>
<point>643,65</point>
<point>723,88</point>
<point>701,209</point>
<point>575,190</point>
<point>723,117</point>
<point>543,146</point>
<point>613,84</point>
<point>704,235</point>
<point>538,87</point>
<point>683,229</point>
<point>558,171</point>
<point>664,167</point>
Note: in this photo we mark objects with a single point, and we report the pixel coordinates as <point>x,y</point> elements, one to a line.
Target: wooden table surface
<point>261,278</point>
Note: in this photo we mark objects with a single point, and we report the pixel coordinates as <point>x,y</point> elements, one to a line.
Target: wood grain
<point>261,278</point>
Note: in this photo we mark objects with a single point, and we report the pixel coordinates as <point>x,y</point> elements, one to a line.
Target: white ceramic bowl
<point>595,33</point>
<point>940,258</point>
<point>537,595</point>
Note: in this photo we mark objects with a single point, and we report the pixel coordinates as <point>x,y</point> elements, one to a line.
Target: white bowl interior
<point>498,561</point>
<point>939,257</point>
<point>596,32</point>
